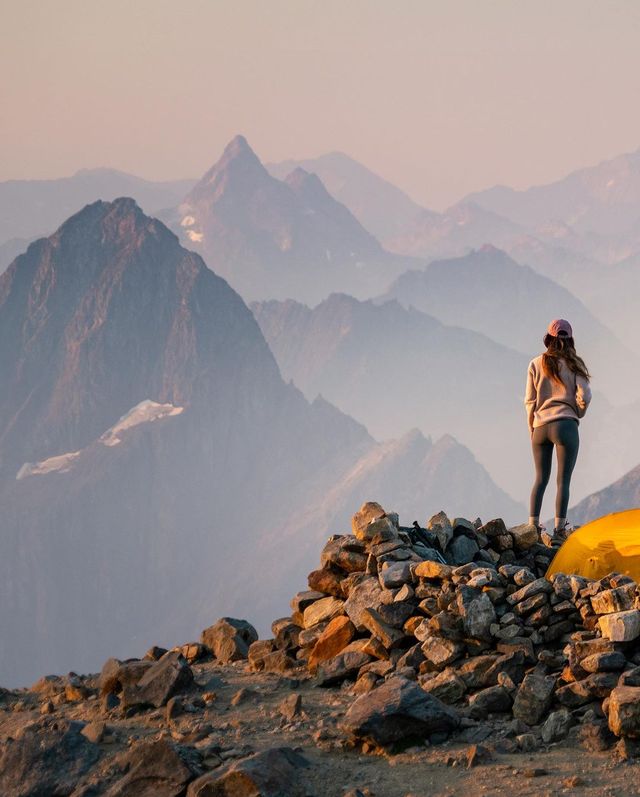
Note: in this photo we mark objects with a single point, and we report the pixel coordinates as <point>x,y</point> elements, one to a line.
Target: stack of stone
<point>467,615</point>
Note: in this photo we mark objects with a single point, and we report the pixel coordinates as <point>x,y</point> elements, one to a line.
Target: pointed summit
<point>238,168</point>
<point>273,238</point>
<point>238,149</point>
<point>237,146</point>
<point>112,220</point>
<point>106,313</point>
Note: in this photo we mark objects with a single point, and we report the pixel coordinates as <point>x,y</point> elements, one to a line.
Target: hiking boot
<point>564,533</point>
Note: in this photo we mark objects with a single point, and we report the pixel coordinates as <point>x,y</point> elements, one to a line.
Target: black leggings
<point>562,434</point>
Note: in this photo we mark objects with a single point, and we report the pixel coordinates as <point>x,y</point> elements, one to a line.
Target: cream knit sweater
<point>547,400</point>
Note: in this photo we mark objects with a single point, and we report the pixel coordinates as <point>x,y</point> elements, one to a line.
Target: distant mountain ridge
<point>487,291</point>
<point>455,232</point>
<point>603,199</point>
<point>30,208</point>
<point>622,494</point>
<point>395,367</point>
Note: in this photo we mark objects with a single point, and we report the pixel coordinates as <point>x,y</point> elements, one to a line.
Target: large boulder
<point>624,711</point>
<point>493,699</point>
<point>375,625</point>
<point>345,665</point>
<point>258,652</point>
<point>326,581</point>
<point>534,697</point>
<point>620,626</point>
<point>557,726</point>
<point>371,524</point>
<point>396,710</point>
<point>524,536</point>
<point>346,553</point>
<point>367,594</point>
<point>164,679</point>
<point>154,769</point>
<point>323,610</point>
<point>429,569</point>
<point>229,639</point>
<point>117,674</point>
<point>368,512</point>
<point>271,773</point>
<point>441,527</point>
<point>335,637</point>
<point>45,758</point>
<point>477,612</point>
<point>447,686</point>
<point>462,549</point>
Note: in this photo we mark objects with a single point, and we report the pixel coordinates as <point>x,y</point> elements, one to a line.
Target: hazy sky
<point>440,97</point>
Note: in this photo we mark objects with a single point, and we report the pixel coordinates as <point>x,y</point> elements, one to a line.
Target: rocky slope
<point>277,239</point>
<point>412,650</point>
<point>141,406</point>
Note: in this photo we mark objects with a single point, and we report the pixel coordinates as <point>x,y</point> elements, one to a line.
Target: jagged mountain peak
<point>274,238</point>
<point>237,165</point>
<point>111,214</point>
<point>108,311</point>
<point>238,151</point>
<point>119,226</point>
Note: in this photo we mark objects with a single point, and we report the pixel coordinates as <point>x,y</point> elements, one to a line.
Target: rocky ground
<point>426,662</point>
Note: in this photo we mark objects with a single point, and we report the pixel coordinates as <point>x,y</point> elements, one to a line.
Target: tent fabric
<point>609,544</point>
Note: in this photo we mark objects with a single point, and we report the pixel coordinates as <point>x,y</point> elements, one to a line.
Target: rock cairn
<point>449,627</point>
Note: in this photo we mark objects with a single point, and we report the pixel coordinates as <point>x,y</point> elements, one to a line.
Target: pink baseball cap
<point>560,327</point>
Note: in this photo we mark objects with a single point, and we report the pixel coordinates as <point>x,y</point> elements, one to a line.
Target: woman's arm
<point>530,398</point>
<point>583,395</point>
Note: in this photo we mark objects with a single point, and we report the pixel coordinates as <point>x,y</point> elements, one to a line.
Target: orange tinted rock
<point>433,570</point>
<point>374,647</point>
<point>624,711</point>
<point>412,623</point>
<point>335,637</point>
<point>326,581</point>
<point>367,512</point>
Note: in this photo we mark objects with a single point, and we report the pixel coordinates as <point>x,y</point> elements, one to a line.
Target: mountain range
<point>575,230</point>
<point>393,366</point>
<point>150,450</point>
<point>150,447</point>
<point>602,199</point>
<point>277,239</point>
<point>487,291</point>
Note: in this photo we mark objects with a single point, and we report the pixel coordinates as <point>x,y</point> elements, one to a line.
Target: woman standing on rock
<point>557,396</point>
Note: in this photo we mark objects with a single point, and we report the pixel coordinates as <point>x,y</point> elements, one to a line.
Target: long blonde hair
<point>562,347</point>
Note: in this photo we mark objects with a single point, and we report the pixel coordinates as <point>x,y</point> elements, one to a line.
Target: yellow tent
<point>611,543</point>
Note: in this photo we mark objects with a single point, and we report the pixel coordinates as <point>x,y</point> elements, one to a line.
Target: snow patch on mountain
<point>59,464</point>
<point>146,411</point>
